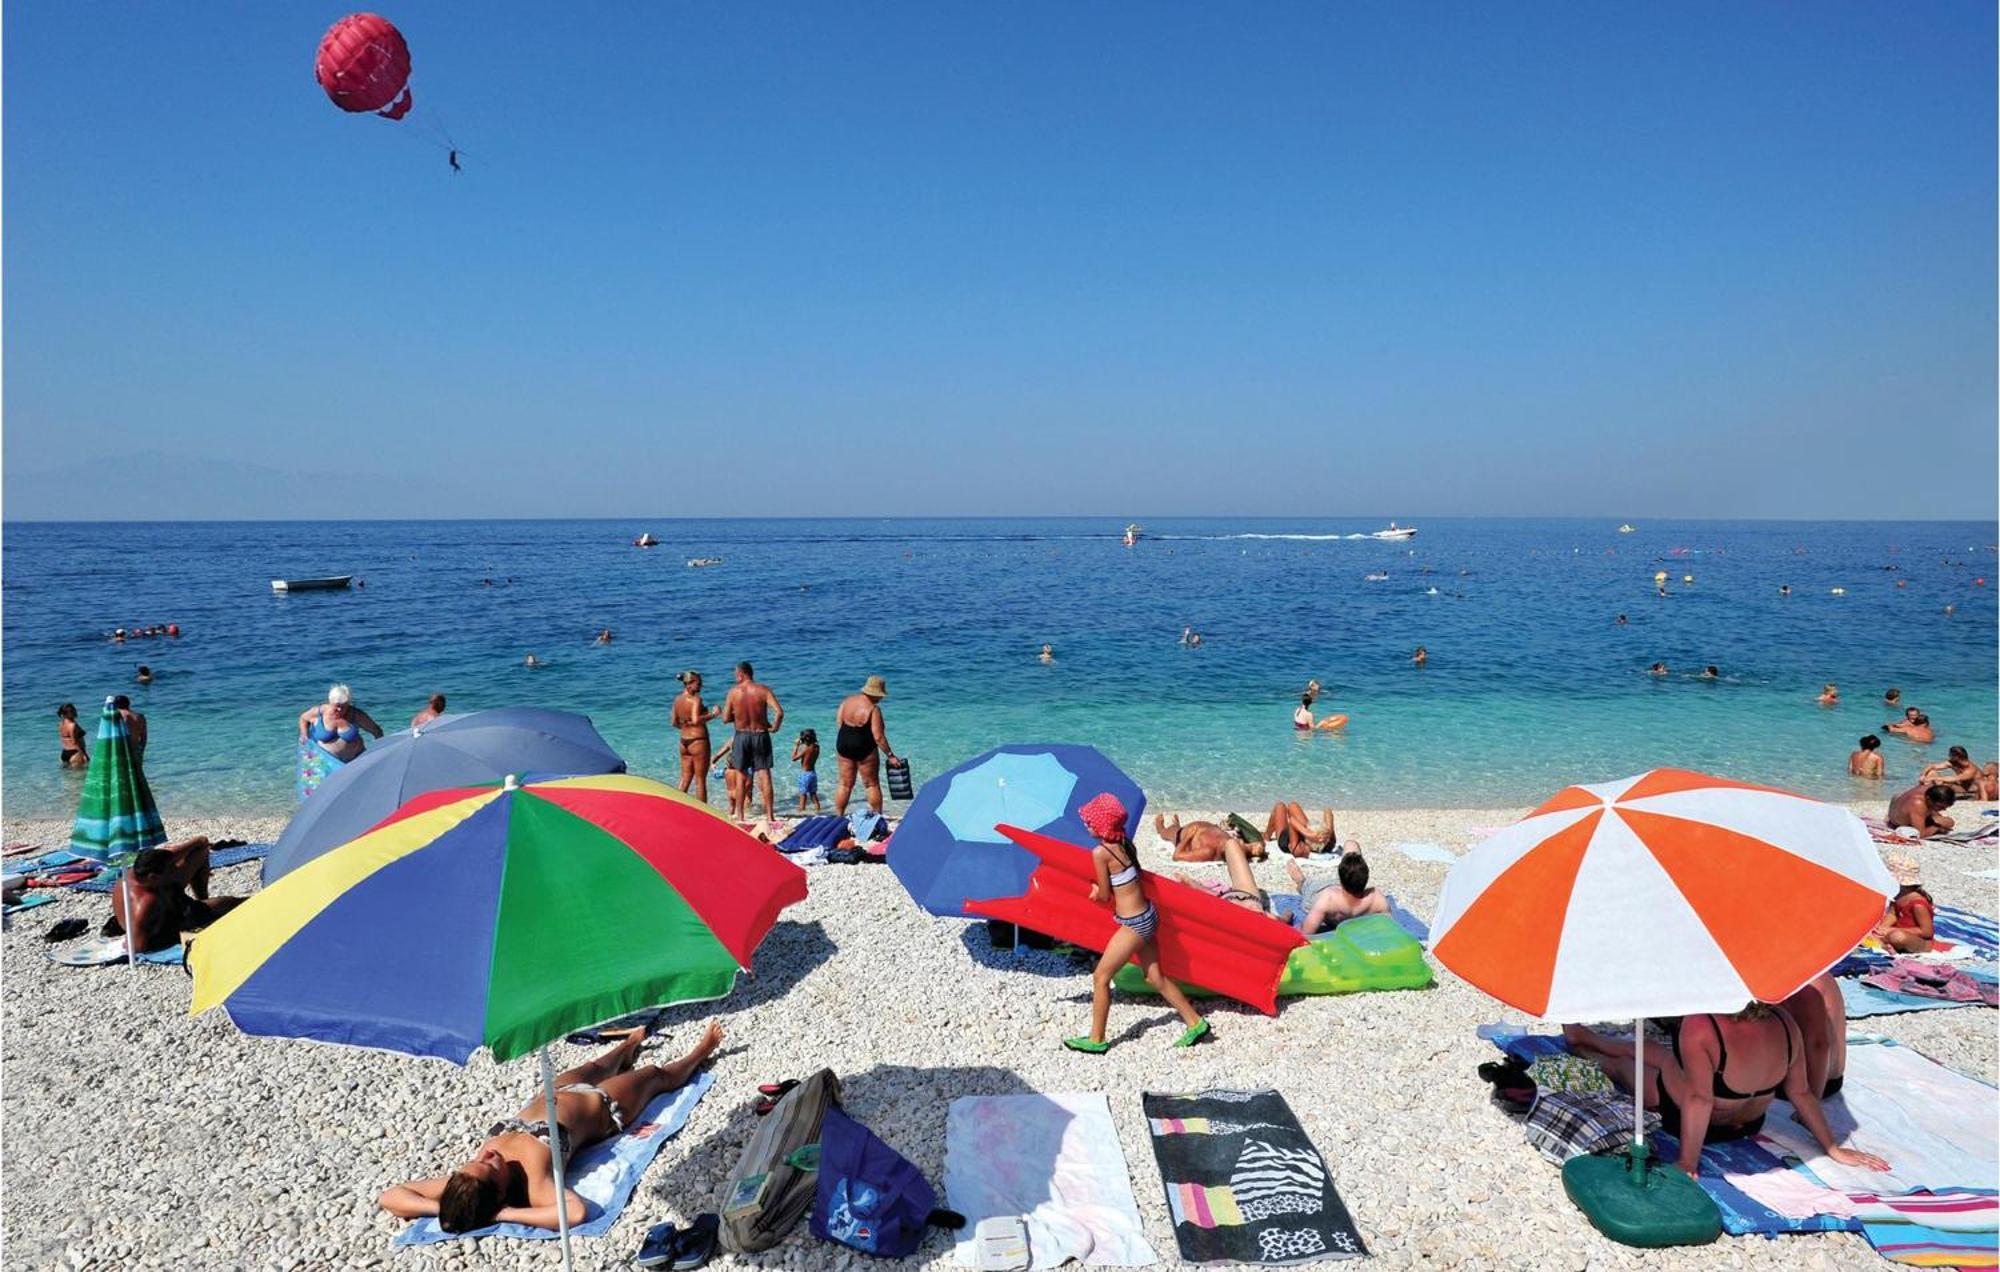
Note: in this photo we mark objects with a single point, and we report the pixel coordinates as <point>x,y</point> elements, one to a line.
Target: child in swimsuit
<point>805,753</point>
<point>1118,883</point>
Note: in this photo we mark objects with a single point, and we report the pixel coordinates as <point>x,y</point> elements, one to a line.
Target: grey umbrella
<point>451,751</point>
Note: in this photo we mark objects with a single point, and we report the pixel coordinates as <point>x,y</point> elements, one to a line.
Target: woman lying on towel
<point>1720,1079</point>
<point>511,1179</point>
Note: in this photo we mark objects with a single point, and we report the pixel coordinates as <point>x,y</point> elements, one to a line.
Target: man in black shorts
<point>754,712</point>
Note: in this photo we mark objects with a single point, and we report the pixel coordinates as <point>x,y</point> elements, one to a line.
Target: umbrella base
<point>1641,1203</point>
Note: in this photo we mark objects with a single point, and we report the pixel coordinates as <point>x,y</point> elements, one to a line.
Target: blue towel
<point>821,831</point>
<point>29,903</point>
<point>1864,1000</point>
<point>604,1174</point>
<point>106,951</point>
<point>217,859</point>
<point>1740,1214</point>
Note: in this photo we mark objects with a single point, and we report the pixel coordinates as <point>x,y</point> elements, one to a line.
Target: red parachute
<point>364,65</point>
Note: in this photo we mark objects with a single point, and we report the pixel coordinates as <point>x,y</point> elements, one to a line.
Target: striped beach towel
<point>1933,1230</point>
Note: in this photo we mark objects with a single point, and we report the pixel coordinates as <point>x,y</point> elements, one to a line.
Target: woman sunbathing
<point>511,1179</point>
<point>1195,840</point>
<point>1703,1096</point>
<point>1290,828</point>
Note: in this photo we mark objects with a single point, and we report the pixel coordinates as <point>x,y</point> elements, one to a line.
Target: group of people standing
<point>754,714</point>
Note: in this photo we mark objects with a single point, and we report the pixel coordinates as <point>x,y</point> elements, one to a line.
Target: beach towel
<point>1986,874</point>
<point>1566,1124</point>
<point>605,1174</point>
<point>1935,1127</point>
<point>235,855</point>
<point>1427,852</point>
<point>1052,1160</point>
<point>1915,979</point>
<point>1984,832</point>
<point>821,831</point>
<point>1863,1000</point>
<point>29,903</point>
<point>106,950</point>
<point>1244,1184</point>
<point>1928,1247</point>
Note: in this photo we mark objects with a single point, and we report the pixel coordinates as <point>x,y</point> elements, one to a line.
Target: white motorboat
<point>1395,532</point>
<point>312,585</point>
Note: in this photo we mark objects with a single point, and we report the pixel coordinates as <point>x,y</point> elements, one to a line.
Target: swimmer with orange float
<point>1302,719</point>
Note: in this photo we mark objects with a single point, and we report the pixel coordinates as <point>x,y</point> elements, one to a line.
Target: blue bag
<point>870,1197</point>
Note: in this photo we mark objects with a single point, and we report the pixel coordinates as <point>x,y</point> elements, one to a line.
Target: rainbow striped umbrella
<point>499,916</point>
<point>116,816</point>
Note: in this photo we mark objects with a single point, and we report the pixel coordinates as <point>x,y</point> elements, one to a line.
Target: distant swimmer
<point>1421,657</point>
<point>1302,719</point>
<point>1622,620</point>
<point>1866,762</point>
<point>1657,669</point>
<point>1784,589</point>
<point>1710,673</point>
<point>1829,696</point>
<point>603,637</point>
<point>531,661</point>
<point>1048,654</point>
<point>432,710</point>
<point>1893,698</point>
<point>145,676</point>
<point>1312,692</point>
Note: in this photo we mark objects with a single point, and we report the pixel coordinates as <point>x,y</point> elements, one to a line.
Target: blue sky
<point>1300,259</point>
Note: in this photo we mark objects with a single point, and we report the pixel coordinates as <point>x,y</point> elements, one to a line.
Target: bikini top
<point>1130,874</point>
<point>1723,1090</point>
<point>321,733</point>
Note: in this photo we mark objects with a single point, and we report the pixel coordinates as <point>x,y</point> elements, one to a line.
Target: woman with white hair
<point>330,736</point>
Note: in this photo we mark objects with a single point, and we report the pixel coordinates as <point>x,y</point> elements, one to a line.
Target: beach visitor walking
<point>336,725</point>
<point>805,754</point>
<point>1116,859</point>
<point>690,716</point>
<point>754,712</point>
<point>861,744</point>
<point>511,1179</point>
<point>74,753</point>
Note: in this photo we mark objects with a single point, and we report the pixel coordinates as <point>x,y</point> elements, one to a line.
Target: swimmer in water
<point>1657,669</point>
<point>1829,696</point>
<point>1048,654</point>
<point>1302,719</point>
<point>531,661</point>
<point>603,637</point>
<point>1867,761</point>
<point>1784,589</point>
<point>1312,692</point>
<point>145,676</point>
<point>1622,620</point>
<point>1893,699</point>
<point>1421,657</point>
<point>1710,673</point>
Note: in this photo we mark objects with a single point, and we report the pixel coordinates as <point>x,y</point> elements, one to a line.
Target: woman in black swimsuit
<point>1698,1103</point>
<point>71,735</point>
<point>860,743</point>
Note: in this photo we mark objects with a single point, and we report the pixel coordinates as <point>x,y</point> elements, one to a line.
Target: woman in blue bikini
<point>336,725</point>
<point>1117,862</point>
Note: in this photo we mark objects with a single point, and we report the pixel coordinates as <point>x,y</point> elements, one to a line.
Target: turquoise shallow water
<point>1531,683</point>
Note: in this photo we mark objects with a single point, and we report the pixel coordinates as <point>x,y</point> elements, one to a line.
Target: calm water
<point>1530,684</point>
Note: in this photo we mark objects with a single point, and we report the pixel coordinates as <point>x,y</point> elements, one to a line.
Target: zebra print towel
<point>1244,1184</point>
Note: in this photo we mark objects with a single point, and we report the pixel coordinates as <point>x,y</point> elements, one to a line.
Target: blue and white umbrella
<point>947,852</point>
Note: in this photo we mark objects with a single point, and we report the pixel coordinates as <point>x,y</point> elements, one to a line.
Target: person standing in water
<point>691,717</point>
<point>1119,885</point>
<point>861,744</point>
<point>754,712</point>
<point>74,753</point>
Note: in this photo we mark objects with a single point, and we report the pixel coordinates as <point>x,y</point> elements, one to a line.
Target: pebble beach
<point>140,1137</point>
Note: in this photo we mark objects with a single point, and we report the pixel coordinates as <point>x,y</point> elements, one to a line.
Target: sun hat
<point>1103,816</point>
<point>1903,868</point>
<point>876,688</point>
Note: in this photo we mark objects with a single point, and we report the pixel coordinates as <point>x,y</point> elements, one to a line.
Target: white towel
<point>1935,1127</point>
<point>1053,1159</point>
<point>1427,852</point>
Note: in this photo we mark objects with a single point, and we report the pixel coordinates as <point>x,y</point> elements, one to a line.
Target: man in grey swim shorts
<point>755,713</point>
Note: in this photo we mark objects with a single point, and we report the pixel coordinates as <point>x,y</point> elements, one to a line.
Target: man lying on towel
<point>166,893</point>
<point>1324,903</point>
<point>511,1179</point>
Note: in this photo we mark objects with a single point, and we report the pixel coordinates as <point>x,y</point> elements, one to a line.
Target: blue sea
<point>1531,683</point>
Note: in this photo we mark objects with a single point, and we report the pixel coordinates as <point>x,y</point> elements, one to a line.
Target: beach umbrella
<point>948,849</point>
<point>1672,893</point>
<point>450,751</point>
<point>502,917</point>
<point>115,818</point>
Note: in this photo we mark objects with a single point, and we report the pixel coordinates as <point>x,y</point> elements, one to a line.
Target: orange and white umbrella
<point>1667,894</point>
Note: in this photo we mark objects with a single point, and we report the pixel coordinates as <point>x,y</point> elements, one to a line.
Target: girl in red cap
<point>1117,862</point>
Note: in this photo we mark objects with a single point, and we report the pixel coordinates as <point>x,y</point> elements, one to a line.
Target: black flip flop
<point>696,1243</point>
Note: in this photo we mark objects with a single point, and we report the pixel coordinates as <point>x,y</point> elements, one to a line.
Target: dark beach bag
<point>899,779</point>
<point>871,1198</point>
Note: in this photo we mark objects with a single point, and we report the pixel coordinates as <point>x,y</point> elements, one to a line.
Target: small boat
<point>1395,532</point>
<point>1380,576</point>
<point>1627,528</point>
<point>312,585</point>
<point>1133,532</point>
<point>645,541</point>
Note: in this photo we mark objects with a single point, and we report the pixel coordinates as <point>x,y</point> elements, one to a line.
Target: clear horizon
<point>1714,262</point>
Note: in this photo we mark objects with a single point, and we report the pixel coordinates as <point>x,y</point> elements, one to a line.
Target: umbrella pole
<point>556,1153</point>
<point>1639,1096</point>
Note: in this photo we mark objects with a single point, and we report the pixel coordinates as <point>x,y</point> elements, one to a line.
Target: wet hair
<point>67,711</point>
<point>1920,718</point>
<point>122,703</point>
<point>144,670</point>
<point>437,702</point>
<point>743,670</point>
<point>1354,874</point>
<point>1305,700</point>
<point>467,1203</point>
<point>1959,753</point>
<point>1869,742</point>
<point>1940,796</point>
<point>808,737</point>
<point>1713,670</point>
<point>1892,696</point>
